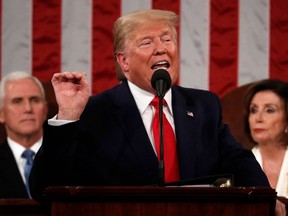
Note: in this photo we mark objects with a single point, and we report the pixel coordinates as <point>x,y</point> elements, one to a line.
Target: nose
<point>27,105</point>
<point>159,48</point>
<point>258,116</point>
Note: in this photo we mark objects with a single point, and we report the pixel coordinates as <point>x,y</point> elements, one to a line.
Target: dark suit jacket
<point>110,146</point>
<point>11,182</point>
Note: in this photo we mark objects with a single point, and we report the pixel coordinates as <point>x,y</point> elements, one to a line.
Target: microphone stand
<point>161,143</point>
<point>161,82</point>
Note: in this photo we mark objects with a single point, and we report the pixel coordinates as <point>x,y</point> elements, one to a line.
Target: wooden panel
<point>161,201</point>
<point>23,207</point>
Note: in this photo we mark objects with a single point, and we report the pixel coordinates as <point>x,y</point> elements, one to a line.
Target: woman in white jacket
<point>266,125</point>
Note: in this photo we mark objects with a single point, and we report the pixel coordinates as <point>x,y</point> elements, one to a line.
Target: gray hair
<point>16,75</point>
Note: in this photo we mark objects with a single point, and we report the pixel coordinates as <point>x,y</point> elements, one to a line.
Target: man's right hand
<point>72,93</point>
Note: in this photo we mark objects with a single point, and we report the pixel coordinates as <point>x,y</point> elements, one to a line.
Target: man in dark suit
<point>23,110</point>
<point>109,141</point>
<point>11,181</point>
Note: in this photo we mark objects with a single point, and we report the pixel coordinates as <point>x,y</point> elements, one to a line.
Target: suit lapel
<point>186,118</point>
<point>187,126</point>
<point>132,125</point>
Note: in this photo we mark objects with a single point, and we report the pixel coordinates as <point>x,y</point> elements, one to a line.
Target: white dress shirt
<point>143,99</point>
<point>18,149</point>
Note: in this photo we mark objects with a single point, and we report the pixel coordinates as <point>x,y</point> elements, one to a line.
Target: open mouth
<point>161,64</point>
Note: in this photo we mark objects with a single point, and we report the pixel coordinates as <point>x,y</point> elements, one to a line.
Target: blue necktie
<point>28,155</point>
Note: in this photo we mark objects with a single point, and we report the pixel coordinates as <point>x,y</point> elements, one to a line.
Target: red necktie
<point>171,169</point>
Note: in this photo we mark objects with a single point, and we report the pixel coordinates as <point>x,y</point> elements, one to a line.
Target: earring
<point>286,130</point>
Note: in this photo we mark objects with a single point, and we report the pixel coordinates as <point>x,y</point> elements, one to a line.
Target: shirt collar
<point>18,149</point>
<point>143,98</point>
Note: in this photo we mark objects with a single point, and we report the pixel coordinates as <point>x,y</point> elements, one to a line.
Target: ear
<point>2,117</point>
<point>122,61</point>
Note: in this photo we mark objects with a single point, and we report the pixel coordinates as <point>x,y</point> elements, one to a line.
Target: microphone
<point>221,180</point>
<point>161,82</point>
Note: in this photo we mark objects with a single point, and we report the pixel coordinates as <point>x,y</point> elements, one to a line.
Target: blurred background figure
<point>266,126</point>
<point>23,109</point>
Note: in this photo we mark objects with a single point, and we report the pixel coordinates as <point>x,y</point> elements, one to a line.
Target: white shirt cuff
<point>58,122</point>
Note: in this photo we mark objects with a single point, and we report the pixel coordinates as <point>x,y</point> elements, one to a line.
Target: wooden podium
<point>160,201</point>
<point>23,207</point>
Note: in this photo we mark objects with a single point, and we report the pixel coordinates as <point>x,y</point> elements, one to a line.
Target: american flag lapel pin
<point>189,113</point>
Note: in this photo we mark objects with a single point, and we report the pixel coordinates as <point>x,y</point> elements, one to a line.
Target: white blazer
<point>282,184</point>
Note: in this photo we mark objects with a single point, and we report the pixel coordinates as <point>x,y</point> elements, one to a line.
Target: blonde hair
<point>126,26</point>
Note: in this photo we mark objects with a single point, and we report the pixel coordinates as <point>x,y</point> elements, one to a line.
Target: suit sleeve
<point>54,162</point>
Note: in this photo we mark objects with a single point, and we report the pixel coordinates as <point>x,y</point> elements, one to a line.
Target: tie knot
<point>28,154</point>
<point>155,102</point>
